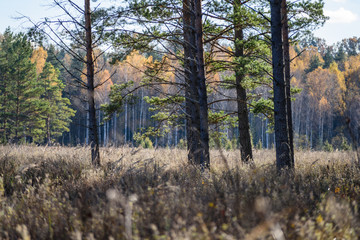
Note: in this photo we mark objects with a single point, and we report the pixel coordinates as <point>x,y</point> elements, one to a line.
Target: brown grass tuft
<point>54,193</point>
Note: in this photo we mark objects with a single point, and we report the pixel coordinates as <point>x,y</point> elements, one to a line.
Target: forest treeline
<point>39,103</point>
<point>197,75</point>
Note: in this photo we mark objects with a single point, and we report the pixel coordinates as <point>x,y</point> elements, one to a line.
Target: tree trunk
<point>307,127</point>
<point>298,119</point>
<point>99,126</point>
<point>267,134</point>
<point>311,129</point>
<point>93,135</point>
<point>283,151</point>
<point>244,128</point>
<point>115,130</point>
<point>87,126</point>
<point>78,139</point>
<point>141,109</point>
<point>286,49</point>
<point>196,96</point>
<point>133,125</point>
<point>176,136</point>
<point>125,130</point>
<point>105,132</point>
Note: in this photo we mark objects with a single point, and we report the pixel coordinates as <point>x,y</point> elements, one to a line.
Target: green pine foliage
<point>20,98</point>
<point>57,114</point>
<point>30,105</point>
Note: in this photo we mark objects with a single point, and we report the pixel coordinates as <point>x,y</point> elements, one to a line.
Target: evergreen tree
<point>328,58</point>
<point>314,64</point>
<point>5,82</point>
<point>247,53</point>
<point>24,108</point>
<point>340,55</point>
<point>57,112</point>
<point>283,155</point>
<point>31,93</point>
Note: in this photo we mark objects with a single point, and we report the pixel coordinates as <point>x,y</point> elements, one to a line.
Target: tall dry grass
<point>54,193</point>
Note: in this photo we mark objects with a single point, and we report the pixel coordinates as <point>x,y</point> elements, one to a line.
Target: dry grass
<point>54,193</point>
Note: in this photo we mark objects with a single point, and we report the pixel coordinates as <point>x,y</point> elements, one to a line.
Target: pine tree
<point>283,155</point>
<point>24,108</point>
<point>57,113</point>
<point>246,60</point>
<point>5,82</point>
<point>328,58</point>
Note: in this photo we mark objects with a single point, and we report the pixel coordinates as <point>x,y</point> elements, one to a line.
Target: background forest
<point>41,104</point>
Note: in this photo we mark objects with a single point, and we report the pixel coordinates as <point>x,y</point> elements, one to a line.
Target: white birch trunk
<point>267,134</point>
<point>115,130</point>
<point>133,123</point>
<point>125,130</point>
<point>99,128</point>
<point>87,125</point>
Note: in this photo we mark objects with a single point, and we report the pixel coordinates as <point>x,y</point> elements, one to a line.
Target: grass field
<point>54,193</point>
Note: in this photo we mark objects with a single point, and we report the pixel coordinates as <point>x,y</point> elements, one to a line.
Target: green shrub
<point>328,147</point>
<point>147,143</point>
<point>182,144</point>
<point>235,143</point>
<point>228,145</point>
<point>345,146</point>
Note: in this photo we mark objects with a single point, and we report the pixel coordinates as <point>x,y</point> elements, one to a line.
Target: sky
<point>344,16</point>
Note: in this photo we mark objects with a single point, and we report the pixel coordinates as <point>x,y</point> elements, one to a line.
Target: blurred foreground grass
<point>54,193</point>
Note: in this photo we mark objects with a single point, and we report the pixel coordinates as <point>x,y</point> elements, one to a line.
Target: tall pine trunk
<point>283,151</point>
<point>244,128</point>
<point>93,134</point>
<point>196,96</point>
<point>286,49</point>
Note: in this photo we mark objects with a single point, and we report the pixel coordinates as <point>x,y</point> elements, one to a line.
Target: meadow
<point>55,193</point>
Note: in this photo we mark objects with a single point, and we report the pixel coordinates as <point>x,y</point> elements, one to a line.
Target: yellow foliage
<point>340,76</point>
<point>323,103</point>
<point>319,219</point>
<point>39,57</point>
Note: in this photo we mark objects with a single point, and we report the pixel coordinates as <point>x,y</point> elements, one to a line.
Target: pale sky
<point>344,20</point>
<point>344,16</point>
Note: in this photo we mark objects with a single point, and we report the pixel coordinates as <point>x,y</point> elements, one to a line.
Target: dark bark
<point>286,49</point>
<point>243,114</point>
<point>93,132</point>
<point>283,158</point>
<point>196,96</point>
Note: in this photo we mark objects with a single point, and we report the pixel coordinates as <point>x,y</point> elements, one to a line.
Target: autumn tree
<point>76,37</point>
